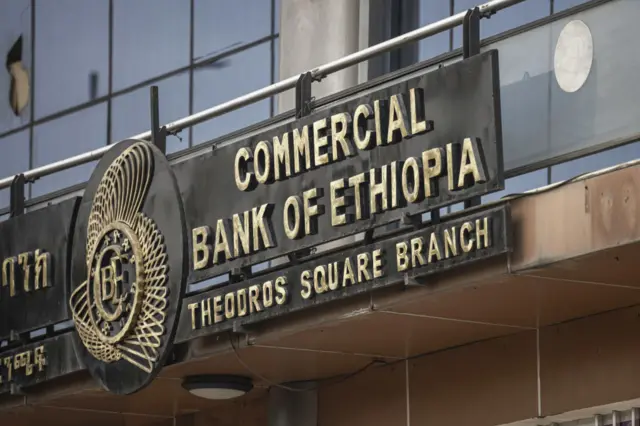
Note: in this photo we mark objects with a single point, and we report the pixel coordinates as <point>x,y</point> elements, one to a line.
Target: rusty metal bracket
<point>158,133</point>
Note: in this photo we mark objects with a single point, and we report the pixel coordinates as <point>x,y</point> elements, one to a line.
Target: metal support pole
<point>471,47</point>
<point>17,196</point>
<point>304,100</point>
<point>158,134</point>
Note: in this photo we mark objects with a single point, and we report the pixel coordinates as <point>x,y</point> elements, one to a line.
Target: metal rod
<point>289,83</point>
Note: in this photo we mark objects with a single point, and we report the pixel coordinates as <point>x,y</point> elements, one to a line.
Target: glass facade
<point>90,63</point>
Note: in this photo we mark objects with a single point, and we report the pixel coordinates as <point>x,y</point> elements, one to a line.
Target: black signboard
<point>129,267</point>
<point>34,268</point>
<point>434,249</point>
<point>407,147</point>
<point>37,362</point>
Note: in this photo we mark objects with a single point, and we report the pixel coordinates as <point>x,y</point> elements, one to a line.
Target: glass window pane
<point>595,162</point>
<point>432,11</point>
<point>150,38</point>
<point>519,184</point>
<point>72,53</point>
<point>65,137</point>
<point>560,5</point>
<point>221,25</point>
<point>234,76</point>
<point>14,159</point>
<point>130,113</point>
<point>276,16</point>
<point>504,20</point>
<point>15,21</point>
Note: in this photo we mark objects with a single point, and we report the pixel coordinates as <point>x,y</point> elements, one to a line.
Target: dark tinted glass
<point>227,79</point>
<point>221,25</point>
<point>63,138</point>
<point>71,53</point>
<point>14,159</point>
<point>150,37</point>
<point>432,11</point>
<point>15,22</point>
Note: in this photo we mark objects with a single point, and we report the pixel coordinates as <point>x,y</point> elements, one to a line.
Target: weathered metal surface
<point>34,268</point>
<point>263,298</point>
<point>461,101</point>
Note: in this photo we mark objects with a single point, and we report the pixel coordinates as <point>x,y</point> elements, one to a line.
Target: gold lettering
<point>221,244</point>
<point>242,302</point>
<point>261,227</point>
<point>450,243</point>
<point>24,259</point>
<point>241,234</point>
<point>397,119</point>
<point>305,277</point>
<point>363,263</point>
<point>201,247</point>
<point>416,251</point>
<point>332,276</point>
<point>254,302</point>
<point>43,269</point>
<point>377,263</point>
<point>432,168</point>
<point>9,274</point>
<point>292,213</point>
<point>320,279</point>
<point>311,210</point>
<point>267,294</point>
<point>262,162</point>
<point>301,149</point>
<point>356,182</point>
<point>378,190</point>
<point>470,165</point>
<point>217,309</point>
<point>482,233</point>
<point>416,97</point>
<point>402,260</point>
<point>281,290</point>
<point>411,183</point>
<point>281,158</point>
<point>244,178</point>
<point>347,273</point>
<point>360,118</point>
<point>205,312</point>
<point>380,114</point>
<point>229,305</point>
<point>320,143</point>
<point>466,240</point>
<point>434,248</point>
<point>193,307</point>
<point>337,202</point>
<point>341,134</point>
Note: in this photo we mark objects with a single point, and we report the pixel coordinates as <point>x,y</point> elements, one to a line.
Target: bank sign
<point>118,260</point>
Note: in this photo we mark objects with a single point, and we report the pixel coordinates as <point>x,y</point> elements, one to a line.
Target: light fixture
<point>217,386</point>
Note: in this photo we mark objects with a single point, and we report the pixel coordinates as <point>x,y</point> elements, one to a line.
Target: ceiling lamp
<point>217,386</point>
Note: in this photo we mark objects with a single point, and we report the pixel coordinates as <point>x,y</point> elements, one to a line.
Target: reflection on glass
<point>519,184</point>
<point>540,120</point>
<point>150,37</point>
<point>131,113</point>
<point>14,159</point>
<point>432,11</point>
<point>595,162</point>
<point>71,52</point>
<point>15,22</point>
<point>504,20</point>
<point>232,77</point>
<point>211,282</point>
<point>65,137</point>
<point>223,25</point>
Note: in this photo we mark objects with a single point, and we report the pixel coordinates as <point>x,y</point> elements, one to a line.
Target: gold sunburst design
<point>120,309</point>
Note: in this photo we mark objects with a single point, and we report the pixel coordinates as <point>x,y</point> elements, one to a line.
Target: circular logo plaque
<point>129,267</point>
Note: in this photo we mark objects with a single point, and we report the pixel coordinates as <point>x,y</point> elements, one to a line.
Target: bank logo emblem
<point>121,308</point>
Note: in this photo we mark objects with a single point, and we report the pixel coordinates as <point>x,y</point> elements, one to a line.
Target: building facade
<point>537,330</point>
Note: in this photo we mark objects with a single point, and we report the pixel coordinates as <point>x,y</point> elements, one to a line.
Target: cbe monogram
<point>120,310</point>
